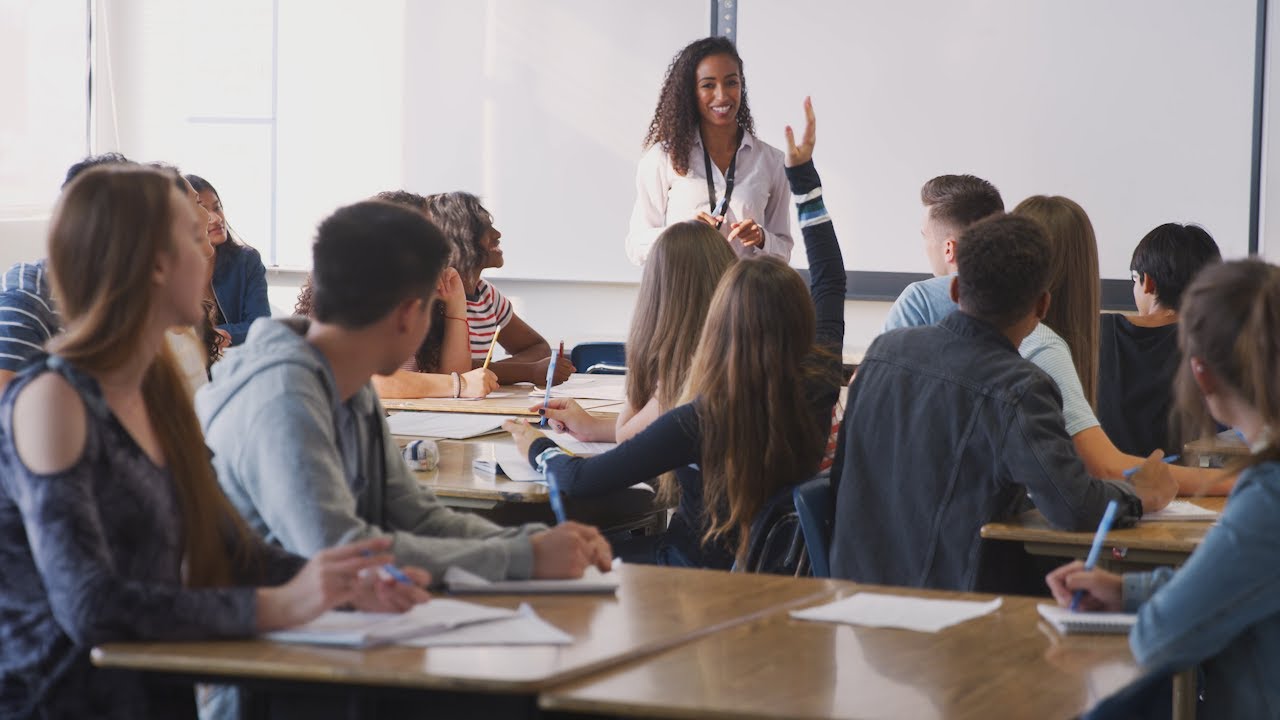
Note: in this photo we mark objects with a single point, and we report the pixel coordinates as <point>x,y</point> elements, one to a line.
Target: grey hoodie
<point>308,475</point>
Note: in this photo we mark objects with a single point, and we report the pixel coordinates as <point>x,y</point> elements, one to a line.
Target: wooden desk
<point>458,484</point>
<point>1007,664</point>
<point>517,402</point>
<point>655,609</point>
<point>1154,543</point>
<point>1214,451</point>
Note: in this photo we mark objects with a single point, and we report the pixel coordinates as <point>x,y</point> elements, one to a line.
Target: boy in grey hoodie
<point>300,440</point>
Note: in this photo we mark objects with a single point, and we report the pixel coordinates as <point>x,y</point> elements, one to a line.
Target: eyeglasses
<point>1135,275</point>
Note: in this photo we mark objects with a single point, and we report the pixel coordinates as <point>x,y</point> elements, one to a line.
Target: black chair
<point>600,358</point>
<point>814,503</point>
<point>777,543</point>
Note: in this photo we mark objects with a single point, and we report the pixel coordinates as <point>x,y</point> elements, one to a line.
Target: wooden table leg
<point>1184,695</point>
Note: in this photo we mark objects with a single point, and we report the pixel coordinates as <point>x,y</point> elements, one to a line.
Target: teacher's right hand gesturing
<point>802,153</point>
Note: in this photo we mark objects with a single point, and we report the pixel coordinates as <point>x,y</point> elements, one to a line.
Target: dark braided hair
<point>676,119</point>
<point>427,357</point>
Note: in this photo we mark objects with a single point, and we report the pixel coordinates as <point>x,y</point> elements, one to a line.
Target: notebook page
<point>898,611</point>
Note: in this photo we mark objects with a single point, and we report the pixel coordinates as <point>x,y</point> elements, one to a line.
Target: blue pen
<point>1168,459</point>
<point>557,502</point>
<point>1104,527</point>
<point>396,573</point>
<point>551,376</point>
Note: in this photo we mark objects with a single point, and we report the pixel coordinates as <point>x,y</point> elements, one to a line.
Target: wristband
<point>543,457</point>
<point>457,385</point>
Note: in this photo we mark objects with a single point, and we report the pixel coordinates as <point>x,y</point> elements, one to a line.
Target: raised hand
<point>802,153</point>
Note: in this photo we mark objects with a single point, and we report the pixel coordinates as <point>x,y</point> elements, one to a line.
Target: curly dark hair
<point>464,221</point>
<point>427,357</point>
<point>1003,264</point>
<point>676,119</point>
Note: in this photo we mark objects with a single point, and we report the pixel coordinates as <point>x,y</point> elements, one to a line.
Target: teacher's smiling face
<point>719,90</point>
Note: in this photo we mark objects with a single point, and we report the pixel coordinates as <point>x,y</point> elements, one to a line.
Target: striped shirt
<point>487,311</point>
<point>27,315</point>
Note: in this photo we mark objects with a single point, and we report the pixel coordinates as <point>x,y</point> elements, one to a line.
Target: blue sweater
<point>240,288</point>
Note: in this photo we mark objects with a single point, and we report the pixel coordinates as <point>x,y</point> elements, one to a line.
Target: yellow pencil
<point>492,344</point>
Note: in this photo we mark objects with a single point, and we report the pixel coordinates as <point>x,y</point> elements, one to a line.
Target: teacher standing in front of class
<point>705,163</point>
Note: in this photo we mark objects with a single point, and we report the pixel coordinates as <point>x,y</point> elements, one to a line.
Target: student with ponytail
<point>1221,610</point>
<point>755,409</point>
<point>113,524</point>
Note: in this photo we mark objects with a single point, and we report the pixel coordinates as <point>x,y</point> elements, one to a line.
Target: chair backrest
<point>604,358</point>
<point>813,503</point>
<point>776,545</point>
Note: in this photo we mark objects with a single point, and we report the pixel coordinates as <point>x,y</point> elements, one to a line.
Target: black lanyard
<point>728,178</point>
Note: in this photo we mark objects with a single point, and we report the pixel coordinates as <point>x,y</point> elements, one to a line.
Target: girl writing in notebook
<point>1221,610</point>
<point>442,365</point>
<point>113,524</point>
<point>684,267</point>
<point>756,406</point>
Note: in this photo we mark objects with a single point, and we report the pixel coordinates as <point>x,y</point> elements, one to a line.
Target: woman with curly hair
<point>705,163</point>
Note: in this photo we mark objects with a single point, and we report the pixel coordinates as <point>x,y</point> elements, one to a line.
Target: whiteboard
<point>1140,110</point>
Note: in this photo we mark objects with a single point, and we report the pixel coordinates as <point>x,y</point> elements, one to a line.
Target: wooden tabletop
<point>655,608</point>
<point>1170,540</point>
<point>1007,664</point>
<point>516,400</point>
<point>456,477</point>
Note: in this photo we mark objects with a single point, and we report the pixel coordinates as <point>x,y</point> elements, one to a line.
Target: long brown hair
<point>680,277</point>
<point>747,381</point>
<point>1074,286</point>
<point>110,225</point>
<point>1230,321</point>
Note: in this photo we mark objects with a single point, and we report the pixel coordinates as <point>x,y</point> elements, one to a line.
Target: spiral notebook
<point>1067,622</point>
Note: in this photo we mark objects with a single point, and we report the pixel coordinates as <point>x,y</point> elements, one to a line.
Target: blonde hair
<point>747,381</point>
<point>110,225</point>
<point>1075,289</point>
<point>680,277</point>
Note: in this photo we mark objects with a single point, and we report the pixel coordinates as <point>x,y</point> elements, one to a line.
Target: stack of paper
<point>450,426</point>
<point>897,611</point>
<point>439,622</point>
<point>507,459</point>
<point>581,386</point>
<point>1182,510</point>
<point>593,581</point>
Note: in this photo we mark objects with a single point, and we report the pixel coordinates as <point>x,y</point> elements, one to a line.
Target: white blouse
<point>760,193</point>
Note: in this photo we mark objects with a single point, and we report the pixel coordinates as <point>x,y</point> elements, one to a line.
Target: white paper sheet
<point>450,426</point>
<point>579,447</point>
<point>507,458</point>
<point>1182,510</point>
<point>592,581</point>
<point>361,629</point>
<point>581,386</point>
<point>524,629</point>
<point>897,611</point>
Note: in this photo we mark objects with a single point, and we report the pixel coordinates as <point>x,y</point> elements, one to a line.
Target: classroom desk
<point>458,484</point>
<point>1148,543</point>
<point>1007,664</point>
<point>654,609</point>
<point>1214,451</point>
<point>514,400</point>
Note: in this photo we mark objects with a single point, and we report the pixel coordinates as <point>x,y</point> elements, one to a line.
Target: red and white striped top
<point>485,314</point>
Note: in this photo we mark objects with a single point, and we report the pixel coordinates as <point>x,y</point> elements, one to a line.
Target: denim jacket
<point>948,428</point>
<point>1222,608</point>
<point>240,289</point>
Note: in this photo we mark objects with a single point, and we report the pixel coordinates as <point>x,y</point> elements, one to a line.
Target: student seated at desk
<point>684,266</point>
<point>469,229</point>
<point>1138,354</point>
<point>757,404</point>
<point>441,366</point>
<point>239,284</point>
<point>29,317</point>
<point>113,523</point>
<point>301,441</point>
<point>948,428</point>
<point>1221,610</point>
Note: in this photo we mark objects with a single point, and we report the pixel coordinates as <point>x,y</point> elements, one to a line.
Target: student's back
<point>948,428</point>
<point>1136,367</point>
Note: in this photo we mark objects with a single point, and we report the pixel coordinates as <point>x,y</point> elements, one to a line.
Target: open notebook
<point>593,581</point>
<point>1067,622</point>
<point>450,426</point>
<point>364,629</point>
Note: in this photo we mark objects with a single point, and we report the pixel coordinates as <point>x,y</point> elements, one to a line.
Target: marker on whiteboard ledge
<point>551,376</point>
<point>1169,459</point>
